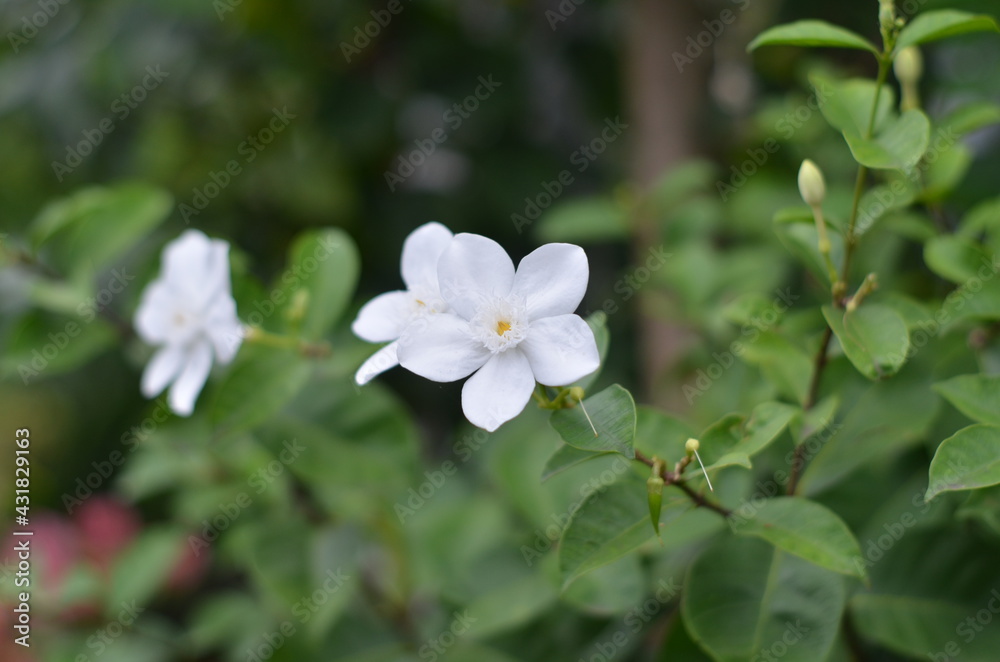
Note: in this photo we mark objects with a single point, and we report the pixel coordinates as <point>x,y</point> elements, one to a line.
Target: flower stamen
<point>502,327</point>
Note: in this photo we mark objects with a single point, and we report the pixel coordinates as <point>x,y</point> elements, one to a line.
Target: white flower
<point>383,318</point>
<point>189,310</point>
<point>509,328</point>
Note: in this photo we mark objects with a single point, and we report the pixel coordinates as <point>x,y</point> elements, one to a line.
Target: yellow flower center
<point>502,327</point>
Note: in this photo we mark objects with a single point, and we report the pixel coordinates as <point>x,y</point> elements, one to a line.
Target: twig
<point>674,478</point>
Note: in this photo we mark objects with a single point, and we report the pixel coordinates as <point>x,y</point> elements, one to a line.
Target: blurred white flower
<point>509,328</point>
<point>189,311</point>
<point>383,318</point>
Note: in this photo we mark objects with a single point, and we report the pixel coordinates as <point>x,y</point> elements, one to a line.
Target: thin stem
<point>850,241</point>
<point>675,479</point>
<point>259,336</point>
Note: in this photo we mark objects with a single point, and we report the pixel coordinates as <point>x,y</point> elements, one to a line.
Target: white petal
<point>471,270</point>
<point>440,347</point>
<point>197,364</point>
<point>382,319</point>
<point>224,328</point>
<point>421,251</point>
<point>560,349</point>
<point>552,279</point>
<point>499,391</point>
<point>152,318</point>
<point>197,266</point>
<point>382,360</point>
<point>161,370</point>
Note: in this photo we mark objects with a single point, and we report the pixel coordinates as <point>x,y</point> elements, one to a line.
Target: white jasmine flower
<point>509,328</point>
<point>190,312</point>
<point>383,318</point>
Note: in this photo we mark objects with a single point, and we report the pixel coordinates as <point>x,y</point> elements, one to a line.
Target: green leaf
<point>976,396</point>
<point>717,443</point>
<point>325,264</point>
<point>584,219</point>
<point>946,172</point>
<point>848,103</point>
<point>955,258</point>
<point>89,230</point>
<point>261,382</point>
<point>811,33</point>
<point>742,596</point>
<point>934,25</point>
<point>874,337</point>
<point>802,240</point>
<point>511,605</point>
<point>610,524</point>
<point>143,567</point>
<point>784,364</point>
<point>967,460</point>
<point>898,146</point>
<point>921,628</point>
<point>566,457</point>
<point>806,529</point>
<point>612,412</point>
<point>766,422</point>
<point>970,117</point>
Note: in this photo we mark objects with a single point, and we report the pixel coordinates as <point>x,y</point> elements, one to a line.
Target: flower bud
<point>887,14</point>
<point>576,393</point>
<point>909,65</point>
<point>692,446</point>
<point>812,188</point>
<point>296,310</point>
<point>654,494</point>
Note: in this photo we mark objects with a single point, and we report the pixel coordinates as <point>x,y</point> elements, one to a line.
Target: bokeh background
<point>348,112</point>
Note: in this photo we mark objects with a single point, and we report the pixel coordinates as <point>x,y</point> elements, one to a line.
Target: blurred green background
<point>340,111</point>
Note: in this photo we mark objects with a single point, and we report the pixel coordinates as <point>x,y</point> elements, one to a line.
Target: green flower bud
<point>812,188</point>
<point>692,446</point>
<point>654,495</point>
<point>909,65</point>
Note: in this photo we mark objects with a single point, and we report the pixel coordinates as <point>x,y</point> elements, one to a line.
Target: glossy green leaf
<point>325,264</point>
<point>257,386</point>
<point>566,457</point>
<point>899,145</point>
<point>940,24</point>
<point>968,459</point>
<point>717,444</point>
<point>874,337</point>
<point>511,605</point>
<point>742,596</point>
<point>612,412</point>
<point>811,33</point>
<point>848,103</point>
<point>976,396</point>
<point>802,240</point>
<point>609,524</point>
<point>784,364</point>
<point>806,529</point>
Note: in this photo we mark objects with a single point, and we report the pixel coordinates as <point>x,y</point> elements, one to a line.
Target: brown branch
<point>675,479</point>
